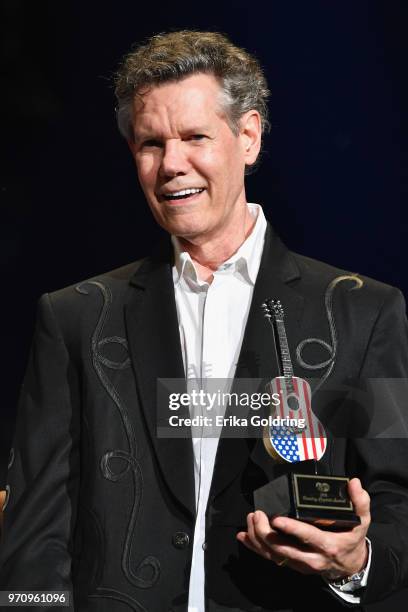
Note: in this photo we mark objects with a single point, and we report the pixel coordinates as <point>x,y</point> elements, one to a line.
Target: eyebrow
<point>142,136</point>
<point>138,136</point>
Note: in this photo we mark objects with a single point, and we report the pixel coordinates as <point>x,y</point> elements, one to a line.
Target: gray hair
<point>174,55</point>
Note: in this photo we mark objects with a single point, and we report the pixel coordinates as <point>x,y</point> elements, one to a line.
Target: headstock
<point>273,309</point>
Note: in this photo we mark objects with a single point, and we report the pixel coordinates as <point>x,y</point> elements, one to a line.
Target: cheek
<point>208,165</point>
<point>219,164</point>
<point>147,167</point>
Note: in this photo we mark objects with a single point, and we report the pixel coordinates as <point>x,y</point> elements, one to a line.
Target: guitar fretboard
<point>282,351</point>
<point>286,362</point>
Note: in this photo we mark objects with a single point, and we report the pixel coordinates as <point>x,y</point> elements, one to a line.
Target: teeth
<point>183,192</point>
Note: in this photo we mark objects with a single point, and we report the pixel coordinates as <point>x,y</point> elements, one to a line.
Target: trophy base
<point>322,501</point>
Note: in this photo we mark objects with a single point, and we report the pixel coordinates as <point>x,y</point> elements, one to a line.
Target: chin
<point>184,230</point>
<point>185,226</point>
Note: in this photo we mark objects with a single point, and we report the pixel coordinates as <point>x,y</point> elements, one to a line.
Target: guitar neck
<point>282,348</point>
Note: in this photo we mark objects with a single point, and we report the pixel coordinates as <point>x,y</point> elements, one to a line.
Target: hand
<point>306,548</point>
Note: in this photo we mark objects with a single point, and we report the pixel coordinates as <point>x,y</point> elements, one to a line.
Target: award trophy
<point>300,492</point>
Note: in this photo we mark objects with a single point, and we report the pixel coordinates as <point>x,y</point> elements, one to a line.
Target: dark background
<point>334,175</point>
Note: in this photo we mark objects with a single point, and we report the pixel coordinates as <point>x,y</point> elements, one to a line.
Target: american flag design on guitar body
<point>288,443</point>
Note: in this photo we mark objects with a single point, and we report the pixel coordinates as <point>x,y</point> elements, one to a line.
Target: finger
<point>281,546</point>
<point>307,535</point>
<point>361,501</point>
<point>308,567</point>
<point>256,541</point>
<point>299,558</point>
<point>267,537</point>
<point>244,538</point>
<point>305,562</point>
<point>251,529</point>
<point>262,527</point>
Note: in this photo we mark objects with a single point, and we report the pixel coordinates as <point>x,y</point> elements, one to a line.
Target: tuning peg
<point>265,308</point>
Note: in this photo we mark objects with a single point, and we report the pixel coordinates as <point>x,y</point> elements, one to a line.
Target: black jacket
<point>100,505</point>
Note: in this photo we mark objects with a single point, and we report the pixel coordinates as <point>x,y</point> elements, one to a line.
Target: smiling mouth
<point>183,194</point>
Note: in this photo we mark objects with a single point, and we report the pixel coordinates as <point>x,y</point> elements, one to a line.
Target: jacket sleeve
<point>382,461</point>
<point>43,476</point>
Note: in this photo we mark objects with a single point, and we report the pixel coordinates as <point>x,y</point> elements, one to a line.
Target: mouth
<point>184,195</point>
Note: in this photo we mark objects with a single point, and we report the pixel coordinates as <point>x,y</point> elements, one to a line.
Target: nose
<point>174,161</point>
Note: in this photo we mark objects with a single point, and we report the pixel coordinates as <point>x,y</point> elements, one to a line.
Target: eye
<point>152,143</point>
<point>197,137</point>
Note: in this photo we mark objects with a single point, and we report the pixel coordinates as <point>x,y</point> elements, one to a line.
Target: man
<point>99,504</point>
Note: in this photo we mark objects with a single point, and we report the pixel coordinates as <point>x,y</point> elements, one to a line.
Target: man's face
<point>183,141</point>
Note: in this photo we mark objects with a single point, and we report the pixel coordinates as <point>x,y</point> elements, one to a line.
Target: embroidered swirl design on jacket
<point>7,497</point>
<point>11,458</point>
<point>7,487</point>
<point>330,348</point>
<point>127,456</point>
<point>118,596</point>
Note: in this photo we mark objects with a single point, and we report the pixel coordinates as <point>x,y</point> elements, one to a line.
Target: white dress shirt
<point>212,319</point>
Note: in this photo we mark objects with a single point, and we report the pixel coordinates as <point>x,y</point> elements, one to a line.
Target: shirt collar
<point>245,260</point>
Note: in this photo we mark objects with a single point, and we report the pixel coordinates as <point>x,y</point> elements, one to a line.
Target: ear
<point>250,134</point>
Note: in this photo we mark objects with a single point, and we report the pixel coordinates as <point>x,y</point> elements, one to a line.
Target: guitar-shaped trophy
<point>290,442</point>
<point>296,438</point>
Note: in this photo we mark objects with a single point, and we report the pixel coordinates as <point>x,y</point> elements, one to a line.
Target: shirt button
<point>181,539</point>
<point>204,546</point>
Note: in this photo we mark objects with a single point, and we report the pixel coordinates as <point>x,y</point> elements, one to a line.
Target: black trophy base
<point>320,500</point>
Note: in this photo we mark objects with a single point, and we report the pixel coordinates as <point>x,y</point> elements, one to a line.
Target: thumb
<point>360,499</point>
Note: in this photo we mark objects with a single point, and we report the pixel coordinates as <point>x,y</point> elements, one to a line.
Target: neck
<point>209,253</point>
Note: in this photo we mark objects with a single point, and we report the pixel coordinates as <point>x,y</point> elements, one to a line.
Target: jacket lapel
<point>154,342</point>
<point>277,273</point>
